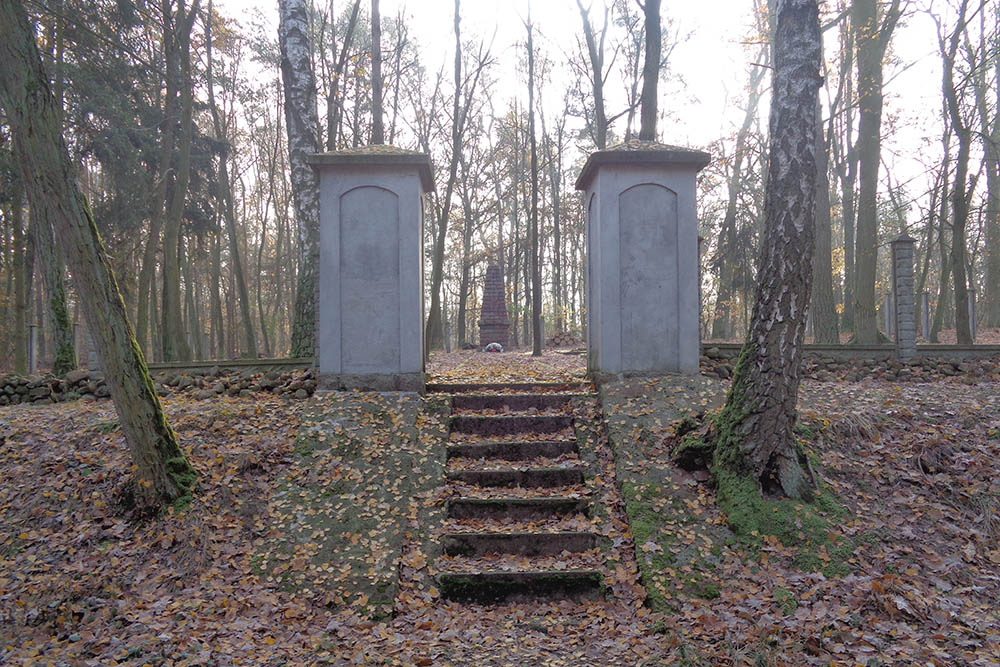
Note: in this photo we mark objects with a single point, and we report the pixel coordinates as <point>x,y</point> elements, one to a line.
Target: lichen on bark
<point>751,438</point>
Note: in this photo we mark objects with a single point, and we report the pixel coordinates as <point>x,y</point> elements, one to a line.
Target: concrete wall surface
<point>370,294</point>
<point>642,290</point>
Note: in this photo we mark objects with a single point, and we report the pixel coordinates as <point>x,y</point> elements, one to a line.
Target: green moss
<point>698,587</point>
<point>65,357</point>
<point>107,426</point>
<point>184,476</point>
<point>786,600</point>
<point>693,452</point>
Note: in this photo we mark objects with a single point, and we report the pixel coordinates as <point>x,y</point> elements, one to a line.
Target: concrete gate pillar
<point>643,310</point>
<point>371,333</point>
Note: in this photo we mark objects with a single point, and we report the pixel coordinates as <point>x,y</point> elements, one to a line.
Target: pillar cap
<point>377,155</point>
<point>648,153</point>
<point>904,238</point>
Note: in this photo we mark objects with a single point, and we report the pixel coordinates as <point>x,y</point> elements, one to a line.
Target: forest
<point>747,459</point>
<point>173,114</point>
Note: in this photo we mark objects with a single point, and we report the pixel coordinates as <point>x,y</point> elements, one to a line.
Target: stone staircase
<point>518,508</point>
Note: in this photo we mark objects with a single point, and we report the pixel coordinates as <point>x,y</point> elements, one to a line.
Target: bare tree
<point>872,35</point>
<point>650,71</point>
<point>225,198</point>
<point>536,275</point>
<point>595,50</point>
<point>378,132</point>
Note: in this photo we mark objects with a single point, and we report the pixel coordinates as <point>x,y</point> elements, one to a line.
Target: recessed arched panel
<point>649,288</point>
<point>369,280</point>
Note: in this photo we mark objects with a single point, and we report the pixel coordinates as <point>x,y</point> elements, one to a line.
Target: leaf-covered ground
<point>252,572</point>
<point>908,571</point>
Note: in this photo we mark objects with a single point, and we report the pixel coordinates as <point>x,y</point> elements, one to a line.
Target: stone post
<point>702,325</point>
<point>93,361</point>
<point>32,349</point>
<point>902,287</point>
<point>888,317</point>
<point>972,314</point>
<point>371,333</point>
<point>925,315</point>
<point>642,264</point>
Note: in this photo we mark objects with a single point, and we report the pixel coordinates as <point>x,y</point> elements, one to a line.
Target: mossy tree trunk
<point>51,260</point>
<point>162,472</point>
<point>753,435</point>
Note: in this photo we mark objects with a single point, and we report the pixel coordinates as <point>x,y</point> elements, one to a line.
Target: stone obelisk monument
<point>494,327</point>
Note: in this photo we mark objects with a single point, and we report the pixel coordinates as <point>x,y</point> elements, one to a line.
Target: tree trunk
<point>989,129</point>
<point>960,193</point>
<point>463,288</point>
<point>554,158</point>
<point>536,275</point>
<point>722,322</point>
<point>378,131</point>
<point>753,433</point>
<point>168,141</point>
<point>21,283</point>
<point>823,304</point>
<point>596,52</point>
<point>224,197</point>
<point>162,472</point>
<point>434,332</point>
<point>650,71</point>
<point>872,39</point>
<point>173,340</point>
<point>334,104</point>
<point>215,296</point>
<point>64,358</point>
<point>302,123</point>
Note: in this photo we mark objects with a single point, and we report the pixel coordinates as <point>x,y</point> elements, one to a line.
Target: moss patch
<point>343,506</point>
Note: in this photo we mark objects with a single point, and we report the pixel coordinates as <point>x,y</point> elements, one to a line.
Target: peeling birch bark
<point>302,122</point>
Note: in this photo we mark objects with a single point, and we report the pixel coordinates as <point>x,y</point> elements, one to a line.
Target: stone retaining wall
<point>833,364</point>
<point>198,383</point>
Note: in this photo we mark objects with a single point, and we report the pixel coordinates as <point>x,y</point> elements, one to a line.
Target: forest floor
<point>256,568</point>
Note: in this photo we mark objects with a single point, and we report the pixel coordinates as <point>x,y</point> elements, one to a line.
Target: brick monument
<point>494,327</point>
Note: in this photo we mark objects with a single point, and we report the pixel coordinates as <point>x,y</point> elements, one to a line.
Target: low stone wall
<point>834,363</point>
<point>202,383</point>
<point>882,352</point>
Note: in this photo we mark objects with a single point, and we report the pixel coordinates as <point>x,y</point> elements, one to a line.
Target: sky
<point>712,61</point>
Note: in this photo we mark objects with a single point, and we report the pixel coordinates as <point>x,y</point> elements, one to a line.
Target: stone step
<point>524,544</point>
<point>513,402</point>
<point>523,478</point>
<point>512,451</point>
<point>472,387</point>
<point>507,425</point>
<point>496,586</point>
<point>516,508</point>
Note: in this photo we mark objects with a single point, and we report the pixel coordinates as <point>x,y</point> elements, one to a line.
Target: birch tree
<point>752,443</point>
<point>302,125</point>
